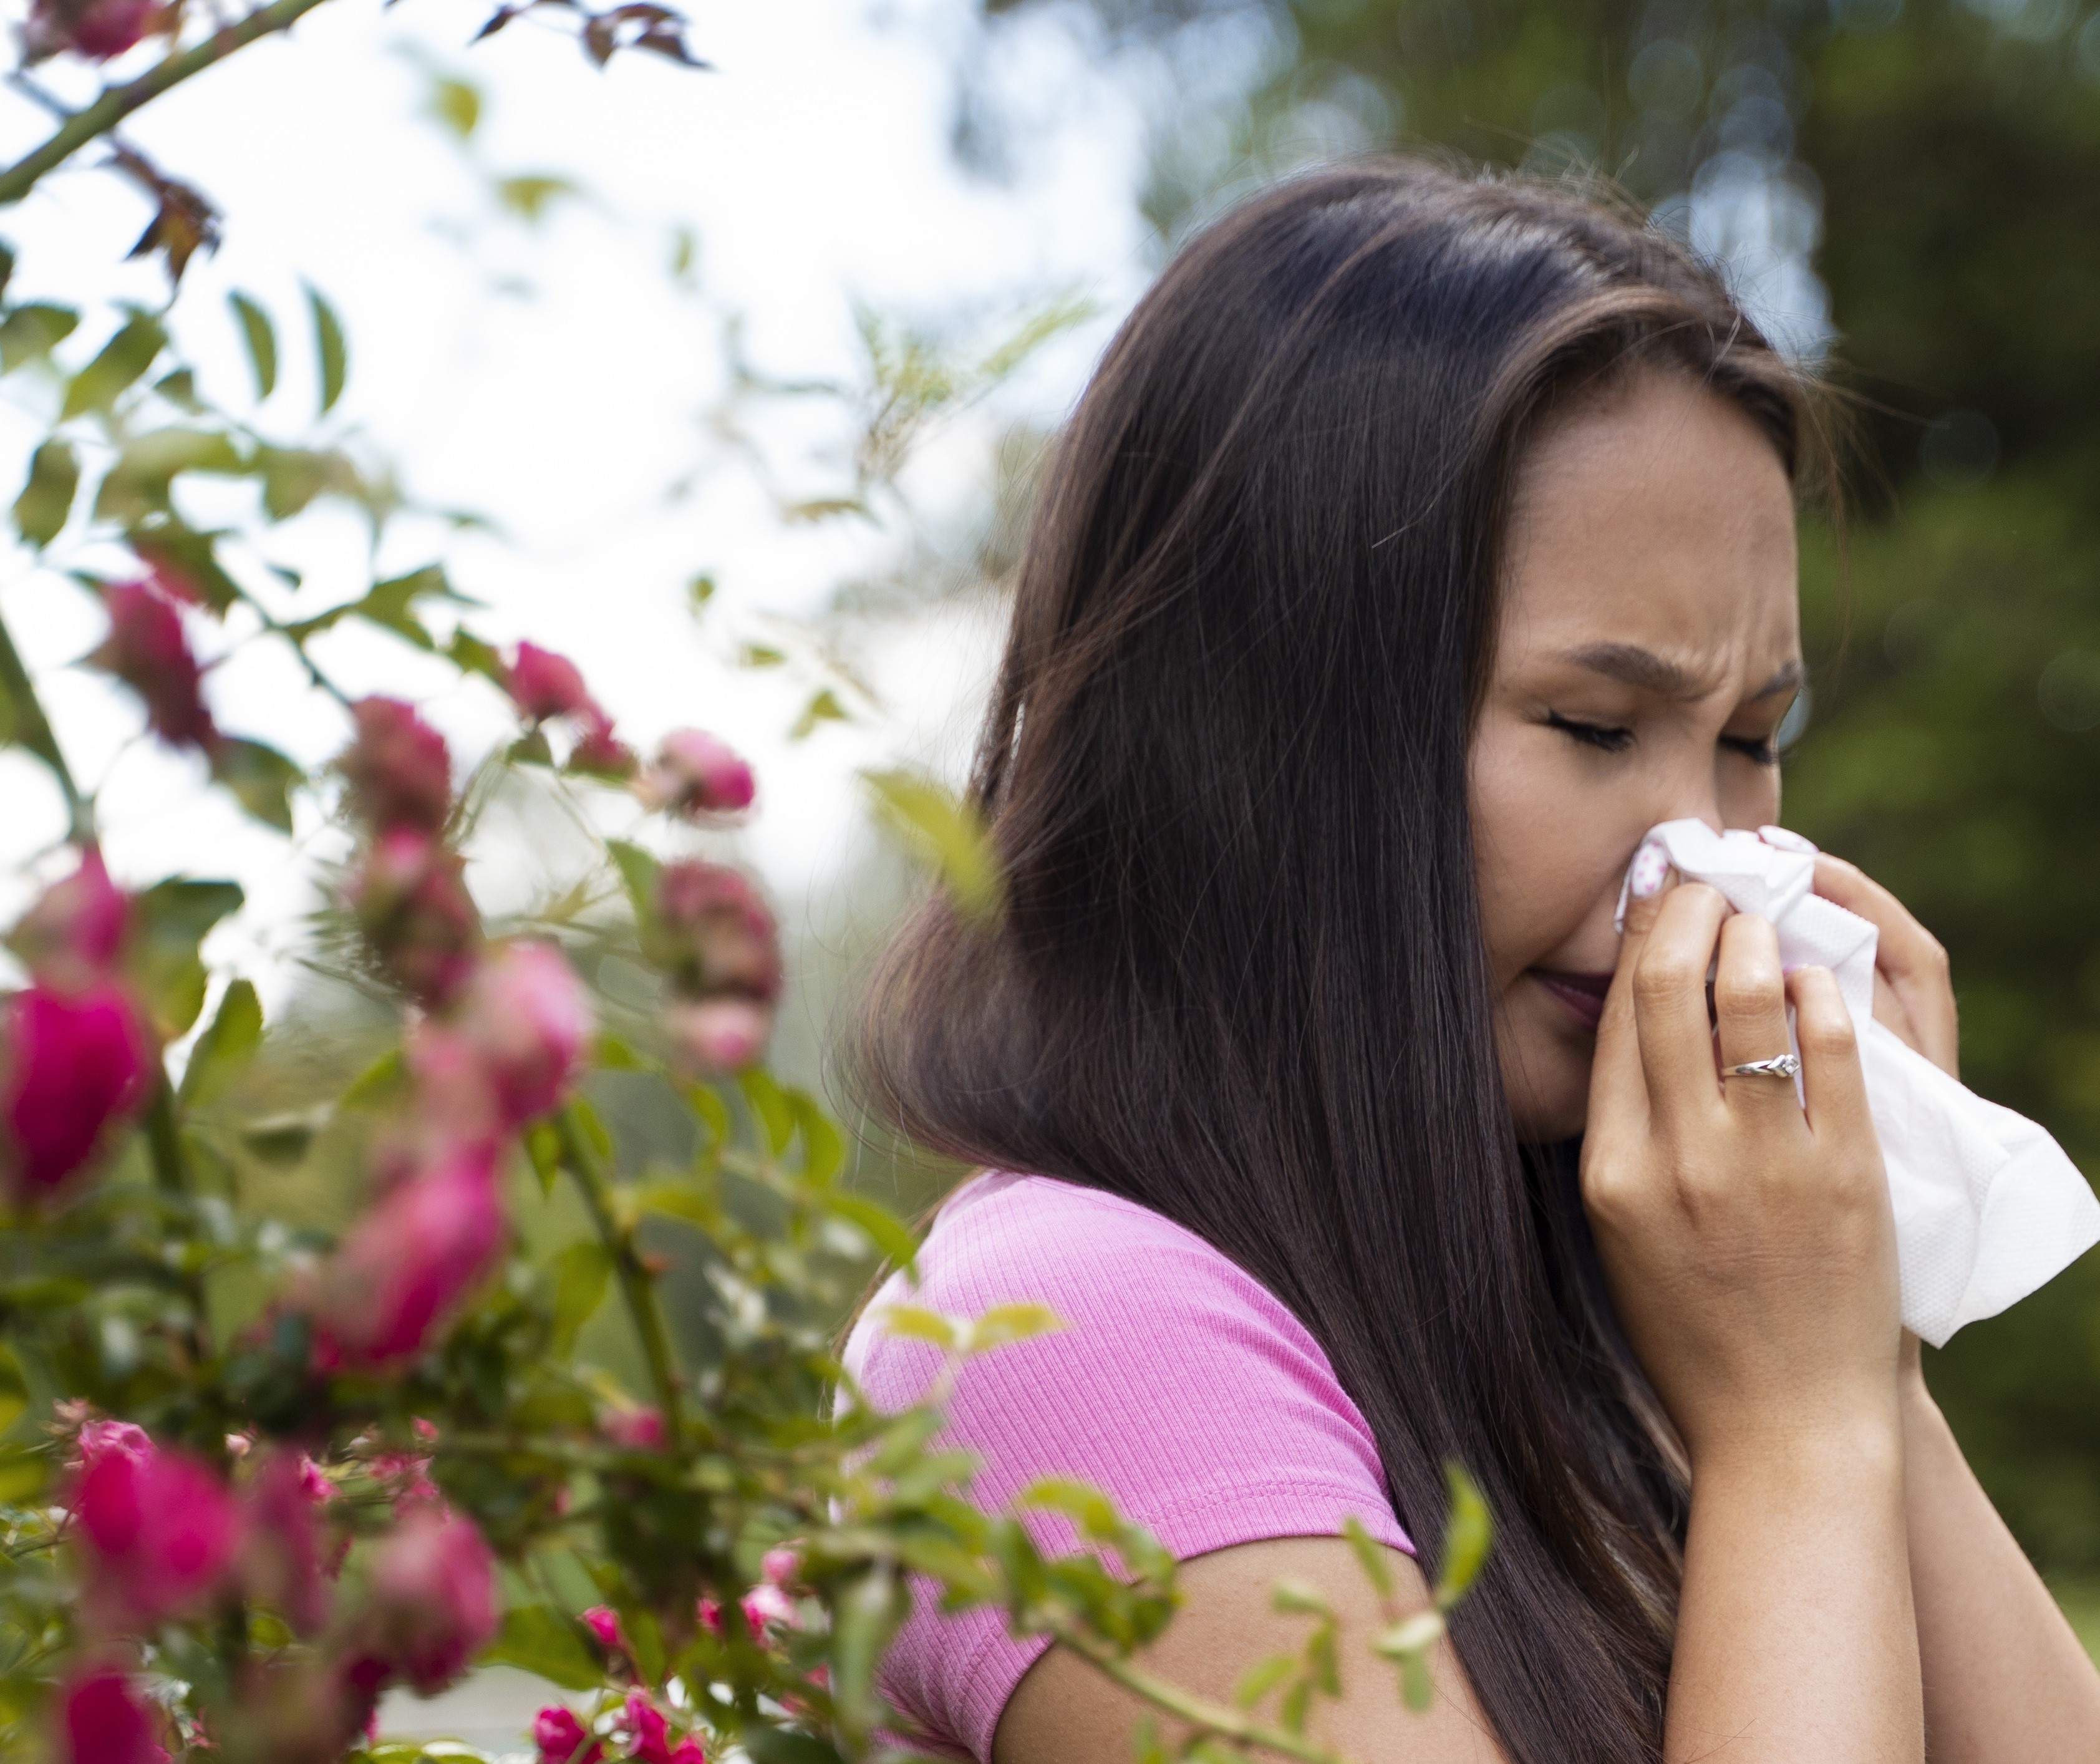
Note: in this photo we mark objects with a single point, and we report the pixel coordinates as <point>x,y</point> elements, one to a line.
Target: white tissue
<point>1988,1207</point>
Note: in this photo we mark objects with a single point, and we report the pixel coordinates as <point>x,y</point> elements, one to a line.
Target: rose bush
<point>557,1388</point>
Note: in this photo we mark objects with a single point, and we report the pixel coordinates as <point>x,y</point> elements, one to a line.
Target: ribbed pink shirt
<point>1179,1385</point>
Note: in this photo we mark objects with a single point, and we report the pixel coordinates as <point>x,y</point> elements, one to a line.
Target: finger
<point>1670,1001</point>
<point>1618,1087</point>
<point>1914,961</point>
<point>1749,1010</point>
<point>1833,1086</point>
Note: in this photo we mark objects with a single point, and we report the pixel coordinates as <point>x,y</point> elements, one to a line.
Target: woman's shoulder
<point>1101,1262</point>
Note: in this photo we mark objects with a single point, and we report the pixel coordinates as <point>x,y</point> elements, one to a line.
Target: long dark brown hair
<point>1239,976</point>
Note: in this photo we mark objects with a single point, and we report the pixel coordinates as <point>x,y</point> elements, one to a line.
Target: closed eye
<point>1602,735</point>
<point>1763,750</point>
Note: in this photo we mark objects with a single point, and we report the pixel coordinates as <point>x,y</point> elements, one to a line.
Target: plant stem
<point>118,101</point>
<point>33,729</point>
<point>1208,1718</point>
<point>636,1288</point>
<point>164,1144</point>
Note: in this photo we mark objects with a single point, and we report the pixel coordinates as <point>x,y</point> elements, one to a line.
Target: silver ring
<point>1786,1065</point>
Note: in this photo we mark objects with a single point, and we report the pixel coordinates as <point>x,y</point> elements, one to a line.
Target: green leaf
<point>469,655</point>
<point>1417,1689</point>
<point>14,1389</point>
<point>261,337</point>
<point>46,499</point>
<point>942,831</point>
<point>284,1139</point>
<point>330,347</point>
<point>1411,1635</point>
<point>1260,1680</point>
<point>293,477</point>
<point>917,1323</point>
<point>122,360</point>
<point>378,1083</point>
<point>192,556</point>
<point>781,1745</point>
<point>699,591</point>
<point>638,870</point>
<point>24,1472</point>
<point>260,778</point>
<point>1007,1323</point>
<point>175,916</point>
<point>391,605</point>
<point>823,1146</point>
<point>457,104</point>
<point>179,388</point>
<point>223,1051</point>
<point>137,486</point>
<point>539,1639</point>
<point>30,332</point>
<point>892,1242</point>
<point>769,1104</point>
<point>1300,1598</point>
<point>582,1272</point>
<point>1371,1555</point>
<point>1468,1534</point>
<point>530,194</point>
<point>823,709</point>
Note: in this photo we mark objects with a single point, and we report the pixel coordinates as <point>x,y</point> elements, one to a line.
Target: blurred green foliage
<point>1938,163</point>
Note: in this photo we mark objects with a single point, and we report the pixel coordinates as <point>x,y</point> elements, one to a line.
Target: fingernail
<point>1785,838</point>
<point>1650,869</point>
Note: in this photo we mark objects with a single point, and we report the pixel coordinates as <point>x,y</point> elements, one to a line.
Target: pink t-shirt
<point>1178,1385</point>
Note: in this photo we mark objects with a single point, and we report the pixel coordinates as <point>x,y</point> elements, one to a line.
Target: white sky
<point>555,380</point>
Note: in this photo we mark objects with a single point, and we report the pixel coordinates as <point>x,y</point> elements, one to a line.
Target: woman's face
<point>1649,647</point>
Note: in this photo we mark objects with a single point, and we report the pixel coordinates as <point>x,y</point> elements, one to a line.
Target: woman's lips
<point>1582,994</point>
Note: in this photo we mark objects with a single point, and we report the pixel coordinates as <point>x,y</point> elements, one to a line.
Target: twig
<point>635,1286</point>
<point>118,101</point>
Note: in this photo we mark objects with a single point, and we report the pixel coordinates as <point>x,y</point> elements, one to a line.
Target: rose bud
<point>637,1429</point>
<point>542,684</point>
<point>77,1067</point>
<point>649,1736</point>
<point>695,774</point>
<point>72,936</point>
<point>100,1721</point>
<point>400,770</point>
<point>711,933</point>
<point>148,650</point>
<point>713,1035</point>
<point>407,1264</point>
<point>431,1604</point>
<point>780,1565</point>
<point>563,1739</point>
<point>160,1531</point>
<point>412,904</point>
<point>603,1622</point>
<point>598,751</point>
<point>283,1554</point>
<point>518,1030</point>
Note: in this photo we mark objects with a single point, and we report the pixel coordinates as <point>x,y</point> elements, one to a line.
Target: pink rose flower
<point>70,938</point>
<point>407,1264</point>
<point>160,1530</point>
<point>599,751</point>
<point>708,1611</point>
<point>603,1622</point>
<point>696,773</point>
<point>637,1429</point>
<point>713,933</point>
<point>98,1438</point>
<point>563,1739</point>
<point>77,1067</point>
<point>148,650</point>
<point>100,1721</point>
<point>780,1565</point>
<point>766,1606</point>
<point>518,1029</point>
<point>543,683</point>
<point>724,1035</point>
<point>399,770</point>
<point>431,1604</point>
<point>650,1736</point>
<point>412,905</point>
<point>283,1553</point>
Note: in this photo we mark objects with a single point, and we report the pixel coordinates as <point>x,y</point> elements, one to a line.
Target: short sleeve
<point>1179,1385</point>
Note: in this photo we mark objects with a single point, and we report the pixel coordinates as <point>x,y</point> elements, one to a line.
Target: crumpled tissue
<point>1988,1207</point>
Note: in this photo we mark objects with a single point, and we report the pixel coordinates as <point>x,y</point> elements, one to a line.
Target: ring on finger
<point>1786,1065</point>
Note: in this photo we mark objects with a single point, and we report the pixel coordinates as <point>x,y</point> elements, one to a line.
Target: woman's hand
<point>1747,1242</point>
<point>1914,992</point>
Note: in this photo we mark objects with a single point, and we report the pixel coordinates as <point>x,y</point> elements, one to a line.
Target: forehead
<point>1657,514</point>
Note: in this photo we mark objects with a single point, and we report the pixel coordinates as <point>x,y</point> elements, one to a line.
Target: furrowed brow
<point>1631,665</point>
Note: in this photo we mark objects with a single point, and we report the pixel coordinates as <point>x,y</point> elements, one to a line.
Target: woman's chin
<point>1546,1078</point>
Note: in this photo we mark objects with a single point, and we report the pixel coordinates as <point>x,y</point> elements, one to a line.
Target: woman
<point>1419,544</point>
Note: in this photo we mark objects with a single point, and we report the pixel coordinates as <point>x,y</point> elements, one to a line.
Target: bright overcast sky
<point>553,379</point>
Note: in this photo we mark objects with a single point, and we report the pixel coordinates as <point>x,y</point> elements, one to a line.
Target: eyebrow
<point>1631,665</point>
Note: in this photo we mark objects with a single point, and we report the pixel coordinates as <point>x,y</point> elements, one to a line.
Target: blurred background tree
<point>1909,190</point>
